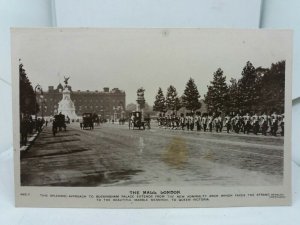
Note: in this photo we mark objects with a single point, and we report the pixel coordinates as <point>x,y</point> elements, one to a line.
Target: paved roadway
<point>112,155</point>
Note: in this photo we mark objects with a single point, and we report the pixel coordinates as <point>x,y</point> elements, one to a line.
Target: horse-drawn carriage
<point>87,121</point>
<point>59,123</point>
<point>136,121</point>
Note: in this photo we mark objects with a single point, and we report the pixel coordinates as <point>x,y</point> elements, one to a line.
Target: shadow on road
<point>26,156</point>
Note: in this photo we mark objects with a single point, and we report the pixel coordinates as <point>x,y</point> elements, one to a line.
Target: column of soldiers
<point>272,124</point>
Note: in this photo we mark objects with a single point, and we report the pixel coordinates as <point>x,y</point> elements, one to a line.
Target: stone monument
<point>141,101</point>
<point>66,105</point>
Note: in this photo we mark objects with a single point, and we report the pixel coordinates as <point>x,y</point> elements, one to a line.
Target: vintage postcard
<point>131,118</point>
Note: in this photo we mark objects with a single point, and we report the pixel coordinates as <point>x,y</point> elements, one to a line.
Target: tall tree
<point>160,101</point>
<point>217,95</point>
<point>249,90</point>
<point>273,88</point>
<point>190,98</point>
<point>234,97</point>
<point>28,103</point>
<point>172,100</point>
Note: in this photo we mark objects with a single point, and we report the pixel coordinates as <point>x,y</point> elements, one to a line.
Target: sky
<point>150,58</point>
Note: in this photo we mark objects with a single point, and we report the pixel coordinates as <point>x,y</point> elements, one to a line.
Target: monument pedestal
<point>66,105</point>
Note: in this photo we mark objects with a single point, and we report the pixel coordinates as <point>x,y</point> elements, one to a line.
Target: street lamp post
<point>42,105</point>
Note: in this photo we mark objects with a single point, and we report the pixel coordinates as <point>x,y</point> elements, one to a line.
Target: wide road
<point>113,155</point>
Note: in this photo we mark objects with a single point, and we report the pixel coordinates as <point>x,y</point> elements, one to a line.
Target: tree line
<point>259,90</point>
<point>28,103</point>
<point>190,98</point>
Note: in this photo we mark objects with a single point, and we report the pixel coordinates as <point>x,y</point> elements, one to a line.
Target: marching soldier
<point>198,121</point>
<point>210,122</point>
<point>187,121</point>
<point>217,124</point>
<point>282,125</point>
<point>247,123</point>
<point>168,121</point>
<point>274,124</point>
<point>182,121</point>
<point>173,121</point>
<point>228,123</point>
<point>204,122</point>
<point>264,124</point>
<point>177,122</point>
<point>165,121</point>
<point>255,124</point>
<point>220,122</point>
<point>159,120</point>
<point>237,123</point>
<point>192,122</point>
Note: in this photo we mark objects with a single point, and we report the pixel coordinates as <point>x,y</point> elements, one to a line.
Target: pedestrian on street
<point>24,129</point>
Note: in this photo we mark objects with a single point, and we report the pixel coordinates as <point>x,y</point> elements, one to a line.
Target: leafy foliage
<point>273,88</point>
<point>249,88</point>
<point>259,90</point>
<point>28,103</point>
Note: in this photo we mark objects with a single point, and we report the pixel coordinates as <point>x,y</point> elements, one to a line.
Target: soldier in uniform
<point>274,124</point>
<point>182,121</point>
<point>173,121</point>
<point>159,120</point>
<point>255,124</point>
<point>165,121</point>
<point>264,124</point>
<point>220,119</point>
<point>204,122</point>
<point>217,124</point>
<point>210,122</point>
<point>198,120</point>
<point>187,122</point>
<point>282,125</point>
<point>247,123</point>
<point>177,122</point>
<point>169,119</point>
<point>162,120</point>
<point>237,123</point>
<point>192,122</point>
<point>227,123</point>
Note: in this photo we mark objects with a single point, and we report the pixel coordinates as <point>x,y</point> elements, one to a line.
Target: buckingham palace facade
<point>109,104</point>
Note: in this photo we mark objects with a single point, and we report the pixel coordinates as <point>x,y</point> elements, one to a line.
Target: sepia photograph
<point>143,108</point>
